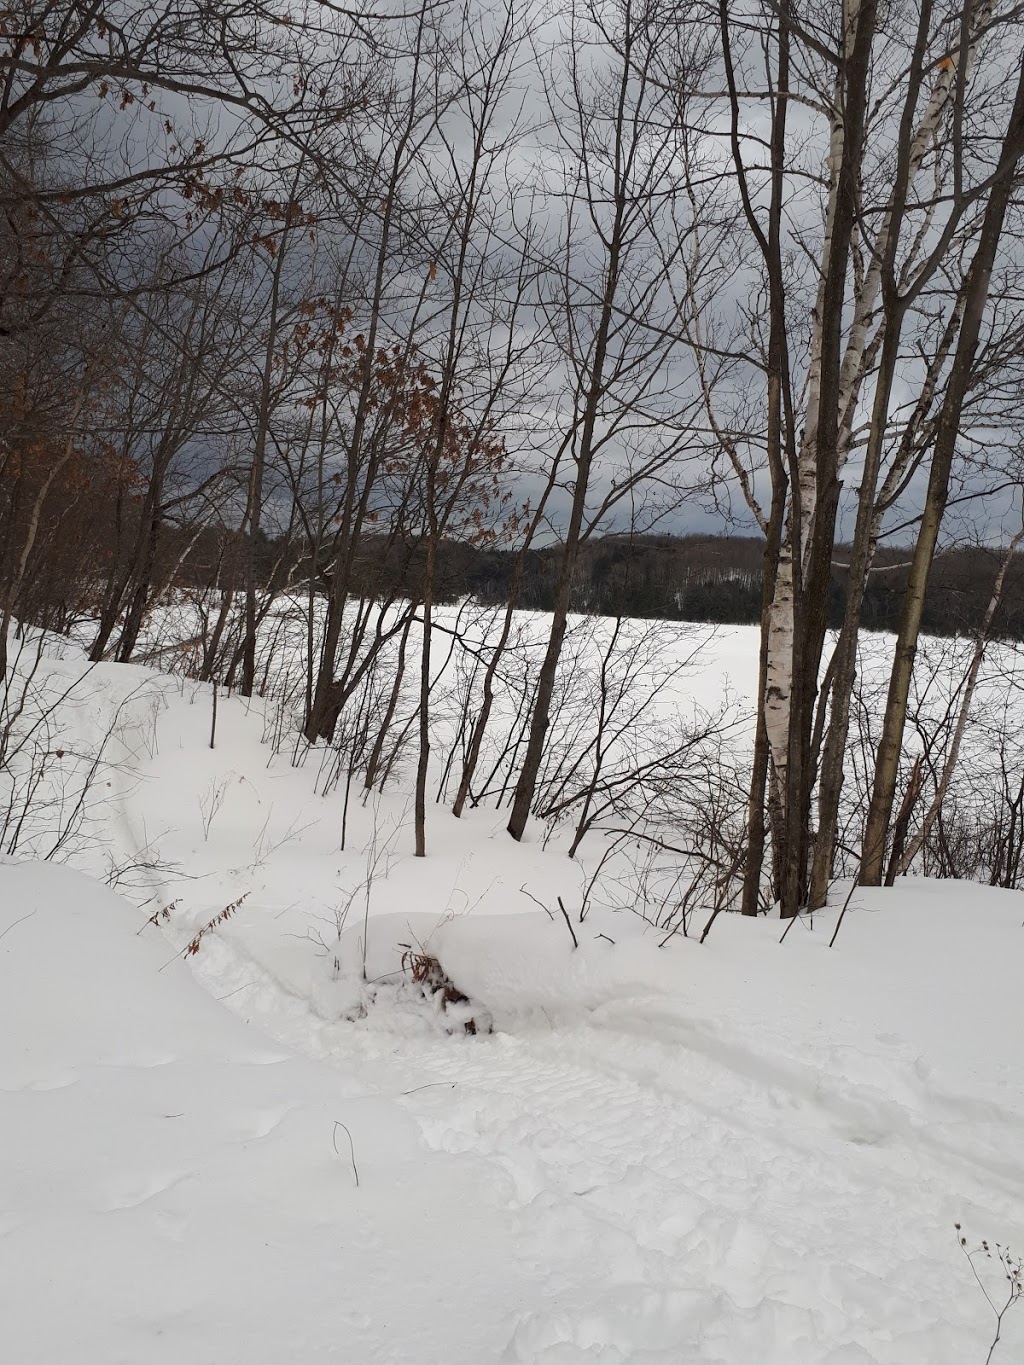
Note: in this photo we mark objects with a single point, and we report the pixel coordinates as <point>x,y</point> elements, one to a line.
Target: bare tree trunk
<point>16,578</point>
<point>134,577</point>
<point>373,763</point>
<point>541,716</point>
<point>816,495</point>
<point>905,857</point>
<point>362,466</point>
<point>912,145</point>
<point>780,433</point>
<point>976,299</point>
<point>227,597</point>
<point>254,499</point>
<point>136,612</point>
<point>497,654</point>
<point>423,758</point>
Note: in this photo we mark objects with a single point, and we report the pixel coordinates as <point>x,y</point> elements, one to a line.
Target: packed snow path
<point>630,1183</point>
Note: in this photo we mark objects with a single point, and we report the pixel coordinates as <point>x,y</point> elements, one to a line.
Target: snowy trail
<point>170,1190</point>
<point>683,1197</point>
<point>736,1154</point>
<point>763,1161</point>
<point>705,1230</point>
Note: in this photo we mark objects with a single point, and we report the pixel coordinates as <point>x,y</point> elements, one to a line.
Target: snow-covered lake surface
<point>280,1148</point>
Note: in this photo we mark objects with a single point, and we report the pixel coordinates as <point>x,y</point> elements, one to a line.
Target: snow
<point>170,1185</point>
<point>741,1151</point>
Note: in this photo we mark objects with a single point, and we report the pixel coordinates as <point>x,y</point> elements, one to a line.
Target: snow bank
<point>173,1187</point>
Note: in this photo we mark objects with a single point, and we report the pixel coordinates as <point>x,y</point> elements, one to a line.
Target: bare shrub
<point>1011,1266</point>
<point>426,972</point>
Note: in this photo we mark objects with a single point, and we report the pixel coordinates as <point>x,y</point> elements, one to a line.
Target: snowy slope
<point>672,1175</point>
<point>733,1152</point>
<point>169,1185</point>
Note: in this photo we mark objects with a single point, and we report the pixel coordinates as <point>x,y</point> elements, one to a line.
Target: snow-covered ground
<point>281,1147</point>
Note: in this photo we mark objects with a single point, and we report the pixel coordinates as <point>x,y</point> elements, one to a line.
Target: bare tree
<point>974,298</point>
<point>901,200</point>
<point>607,295</point>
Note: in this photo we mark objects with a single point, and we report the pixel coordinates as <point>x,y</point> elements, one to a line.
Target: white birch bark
<point>854,368</point>
<point>779,664</point>
<point>852,375</point>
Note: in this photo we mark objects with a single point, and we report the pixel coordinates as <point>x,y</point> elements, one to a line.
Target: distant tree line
<point>704,578</point>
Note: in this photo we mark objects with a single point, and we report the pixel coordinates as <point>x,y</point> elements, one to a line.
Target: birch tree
<point>883,119</point>
<point>972,302</point>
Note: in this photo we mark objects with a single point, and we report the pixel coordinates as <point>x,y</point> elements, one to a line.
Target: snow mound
<point>509,968</point>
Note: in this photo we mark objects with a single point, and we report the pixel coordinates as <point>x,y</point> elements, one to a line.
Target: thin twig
<point>530,896</point>
<point>17,922</point>
<point>707,928</point>
<point>792,921</point>
<point>351,1148</point>
<point>842,913</point>
<point>568,923</point>
<point>236,990</point>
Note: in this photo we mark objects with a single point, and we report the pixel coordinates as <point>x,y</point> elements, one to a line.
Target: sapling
<point>211,801</point>
<point>1012,1266</point>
